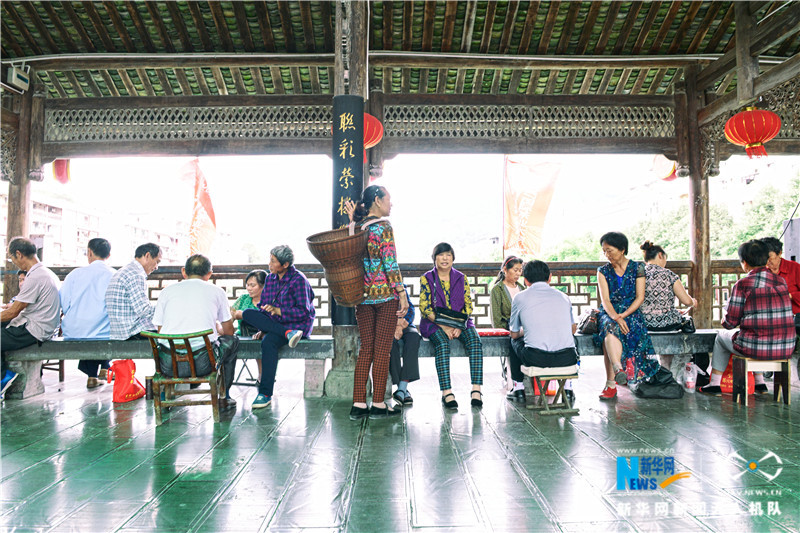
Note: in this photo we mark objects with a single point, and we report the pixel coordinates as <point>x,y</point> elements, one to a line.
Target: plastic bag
<point>126,387</point>
<point>690,375</point>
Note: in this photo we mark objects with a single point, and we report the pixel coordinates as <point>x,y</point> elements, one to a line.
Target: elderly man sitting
<point>197,305</point>
<point>541,323</point>
<point>759,305</point>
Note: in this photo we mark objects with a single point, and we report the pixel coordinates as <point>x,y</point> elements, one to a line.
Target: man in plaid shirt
<point>129,309</point>
<point>760,306</point>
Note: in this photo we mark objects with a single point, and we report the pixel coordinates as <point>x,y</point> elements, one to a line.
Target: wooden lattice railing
<point>577,280</point>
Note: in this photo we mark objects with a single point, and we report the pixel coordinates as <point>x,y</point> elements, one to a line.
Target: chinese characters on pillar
<point>347,149</point>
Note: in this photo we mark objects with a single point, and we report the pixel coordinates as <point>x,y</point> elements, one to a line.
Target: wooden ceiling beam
<point>75,84</point>
<point>219,81</point>
<point>91,83</point>
<point>722,28</point>
<point>22,28</point>
<point>603,87</point>
<point>386,29</point>
<point>180,28</point>
<point>652,11</point>
<point>627,28</point>
<point>201,81</point>
<point>130,87</point>
<point>200,26</point>
<point>277,80</point>
<point>265,26</point>
<point>586,32</point>
<point>640,79</point>
<point>308,26</point>
<point>238,81</point>
<point>164,82</point>
<point>767,34</point>
<point>119,26</point>
<point>183,81</point>
<point>221,25</point>
<point>623,81</point>
<point>286,26</point>
<point>549,26</point>
<point>51,76</point>
<point>608,27</point>
<point>450,9</point>
<point>666,24</point>
<point>428,18</point>
<point>109,81</point>
<point>725,83</point>
<point>551,82</point>
<point>569,27</point>
<point>382,59</point>
<point>145,79</point>
<point>408,24</point>
<point>78,25</point>
<point>99,27</point>
<point>684,26</point>
<point>586,84</point>
<point>6,32</point>
<point>469,26</point>
<point>40,28</point>
<point>138,23</point>
<point>533,82</point>
<point>488,22</point>
<point>258,80</point>
<point>158,22</point>
<point>313,74</point>
<point>656,84</point>
<point>243,27</point>
<point>422,88</point>
<point>527,28</point>
<point>705,25</point>
<point>508,26</point>
<point>787,45</point>
<point>297,82</point>
<point>327,26</point>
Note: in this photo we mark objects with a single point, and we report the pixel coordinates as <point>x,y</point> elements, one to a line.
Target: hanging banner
<point>527,192</point>
<point>347,153</point>
<point>204,224</point>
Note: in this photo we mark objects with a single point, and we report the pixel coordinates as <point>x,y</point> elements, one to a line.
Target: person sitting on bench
<point>759,305</point>
<point>541,324</point>
<point>36,312</point>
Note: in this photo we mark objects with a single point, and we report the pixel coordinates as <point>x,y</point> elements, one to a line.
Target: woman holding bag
<point>445,304</point>
<point>386,302</point>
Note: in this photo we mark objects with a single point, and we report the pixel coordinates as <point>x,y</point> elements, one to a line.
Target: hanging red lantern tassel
<point>752,128</point>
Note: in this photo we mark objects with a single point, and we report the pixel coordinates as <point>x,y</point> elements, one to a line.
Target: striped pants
<point>472,345</point>
<point>376,324</point>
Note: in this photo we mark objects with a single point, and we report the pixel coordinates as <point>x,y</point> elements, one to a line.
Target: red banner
<point>204,224</point>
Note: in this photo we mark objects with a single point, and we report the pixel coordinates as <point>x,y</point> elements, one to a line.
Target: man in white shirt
<point>36,312</point>
<point>83,302</point>
<point>541,323</point>
<point>195,305</point>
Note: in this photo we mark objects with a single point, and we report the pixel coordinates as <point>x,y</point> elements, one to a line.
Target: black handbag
<point>587,324</point>
<point>448,317</point>
<point>661,385</point>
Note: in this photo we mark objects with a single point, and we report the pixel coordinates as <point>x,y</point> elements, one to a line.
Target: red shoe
<point>608,393</point>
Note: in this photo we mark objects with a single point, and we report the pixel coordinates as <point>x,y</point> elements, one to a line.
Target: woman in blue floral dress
<point>622,329</point>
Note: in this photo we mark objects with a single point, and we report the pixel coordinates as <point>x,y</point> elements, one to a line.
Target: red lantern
<point>373,131</point>
<point>752,128</point>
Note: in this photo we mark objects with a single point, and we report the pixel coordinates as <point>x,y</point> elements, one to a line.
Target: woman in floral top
<point>385,302</point>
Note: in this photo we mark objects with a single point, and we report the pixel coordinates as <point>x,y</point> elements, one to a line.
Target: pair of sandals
<point>453,404</point>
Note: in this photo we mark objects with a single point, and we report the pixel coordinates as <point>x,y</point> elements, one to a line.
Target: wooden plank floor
<point>74,461</point>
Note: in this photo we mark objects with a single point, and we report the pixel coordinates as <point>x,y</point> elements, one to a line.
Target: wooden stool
<point>781,379</point>
<point>181,351</point>
<point>55,365</point>
<point>542,376</point>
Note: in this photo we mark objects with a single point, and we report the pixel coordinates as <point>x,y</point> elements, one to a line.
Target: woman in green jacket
<point>506,286</point>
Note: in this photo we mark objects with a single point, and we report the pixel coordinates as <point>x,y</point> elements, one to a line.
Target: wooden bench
<point>27,361</point>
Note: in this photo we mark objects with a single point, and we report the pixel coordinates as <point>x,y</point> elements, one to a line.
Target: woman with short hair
<point>444,289</point>
<point>285,314</point>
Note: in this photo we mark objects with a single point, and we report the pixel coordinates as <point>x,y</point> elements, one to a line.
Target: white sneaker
<point>294,337</point>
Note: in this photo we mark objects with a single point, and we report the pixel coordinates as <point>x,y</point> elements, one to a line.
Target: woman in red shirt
<point>788,270</point>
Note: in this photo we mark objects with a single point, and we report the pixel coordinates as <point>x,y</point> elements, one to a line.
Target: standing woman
<point>623,333</point>
<point>386,302</point>
<point>446,289</point>
<point>506,287</point>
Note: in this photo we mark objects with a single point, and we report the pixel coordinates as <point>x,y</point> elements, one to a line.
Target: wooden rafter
<point>180,28</point>
<point>549,26</point>
<point>183,81</point>
<point>408,20</point>
<point>674,7</point>
<point>130,88</point>
<point>244,28</point>
<point>99,27</point>
<point>286,25</point>
<point>428,17</point>
<point>40,28</point>
<point>258,80</point>
<point>75,84</point>
<point>219,81</point>
<point>627,28</point>
<point>705,25</point>
<point>265,26</point>
<point>200,26</point>
<point>488,22</point>
<point>163,80</point>
<point>569,27</point>
<point>308,26</point>
<point>163,34</point>
<point>18,52</point>
<point>145,79</point>
<point>608,27</point>
<point>201,81</point>
<point>119,27</point>
<point>722,29</point>
<point>508,26</point>
<point>221,25</point>
<point>238,81</point>
<point>469,25</point>
<point>327,26</point>
<point>57,84</point>
<point>652,12</point>
<point>686,22</point>
<point>22,28</point>
<point>449,25</point>
<point>138,23</point>
<point>527,28</point>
